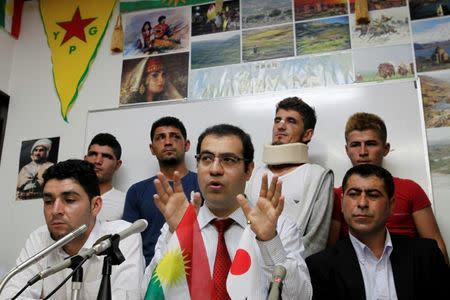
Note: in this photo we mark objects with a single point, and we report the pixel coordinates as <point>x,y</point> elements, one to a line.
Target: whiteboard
<point>397,102</point>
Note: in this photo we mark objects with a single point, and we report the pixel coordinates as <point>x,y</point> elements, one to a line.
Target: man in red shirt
<point>366,143</point>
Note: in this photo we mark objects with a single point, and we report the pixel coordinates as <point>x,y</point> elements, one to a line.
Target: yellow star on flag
<point>74,31</point>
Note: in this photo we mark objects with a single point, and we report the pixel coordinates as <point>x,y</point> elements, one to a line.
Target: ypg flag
<point>183,270</point>
<point>74,31</point>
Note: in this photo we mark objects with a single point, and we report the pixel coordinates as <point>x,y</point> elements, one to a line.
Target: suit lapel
<point>349,269</point>
<point>402,267</point>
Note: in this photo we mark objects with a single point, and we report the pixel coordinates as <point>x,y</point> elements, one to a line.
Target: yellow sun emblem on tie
<point>171,268</point>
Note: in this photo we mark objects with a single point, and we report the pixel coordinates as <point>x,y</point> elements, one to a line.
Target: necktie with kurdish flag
<point>74,31</point>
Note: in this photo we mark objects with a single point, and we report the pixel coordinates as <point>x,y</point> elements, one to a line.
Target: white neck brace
<point>294,153</point>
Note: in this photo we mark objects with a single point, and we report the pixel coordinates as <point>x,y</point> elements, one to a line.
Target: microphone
<point>278,275</point>
<point>38,256</point>
<point>98,248</point>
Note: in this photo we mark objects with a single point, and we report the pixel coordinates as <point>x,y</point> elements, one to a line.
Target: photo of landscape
<point>379,4</point>
<point>267,43</point>
<point>421,9</point>
<point>312,9</point>
<point>432,44</point>
<point>386,27</point>
<point>435,87</point>
<point>256,13</point>
<point>216,50</point>
<point>324,35</point>
<point>383,63</point>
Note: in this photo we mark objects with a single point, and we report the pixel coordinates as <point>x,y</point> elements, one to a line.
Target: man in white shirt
<point>225,163</point>
<point>307,187</point>
<point>104,152</point>
<point>71,198</point>
<point>373,263</point>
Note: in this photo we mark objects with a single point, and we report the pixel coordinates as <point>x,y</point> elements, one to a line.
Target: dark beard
<point>276,143</point>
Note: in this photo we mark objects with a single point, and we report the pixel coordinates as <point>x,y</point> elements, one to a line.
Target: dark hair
<point>361,121</point>
<point>368,170</point>
<point>307,113</point>
<point>78,170</point>
<point>226,130</point>
<point>107,139</point>
<point>161,18</point>
<point>168,121</point>
<point>146,23</point>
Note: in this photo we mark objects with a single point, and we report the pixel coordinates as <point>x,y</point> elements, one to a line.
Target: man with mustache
<point>104,153</point>
<point>306,186</point>
<point>71,198</point>
<point>169,144</point>
<point>372,262</point>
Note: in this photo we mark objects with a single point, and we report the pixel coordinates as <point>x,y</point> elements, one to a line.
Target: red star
<point>75,27</point>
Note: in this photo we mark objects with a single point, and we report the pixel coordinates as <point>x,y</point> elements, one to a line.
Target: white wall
<point>6,59</point>
<point>35,112</point>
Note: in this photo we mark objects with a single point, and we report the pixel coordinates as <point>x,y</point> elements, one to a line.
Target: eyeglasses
<point>225,160</point>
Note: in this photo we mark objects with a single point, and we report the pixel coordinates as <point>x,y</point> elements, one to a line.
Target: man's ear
<point>187,145</point>
<point>307,136</point>
<point>249,171</point>
<point>151,149</point>
<point>387,148</point>
<point>119,163</point>
<point>96,205</point>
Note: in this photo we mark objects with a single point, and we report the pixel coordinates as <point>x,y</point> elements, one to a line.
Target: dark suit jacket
<point>420,271</point>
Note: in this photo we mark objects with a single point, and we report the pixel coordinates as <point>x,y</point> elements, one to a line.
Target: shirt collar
<point>362,250</point>
<point>94,235</point>
<point>205,216</point>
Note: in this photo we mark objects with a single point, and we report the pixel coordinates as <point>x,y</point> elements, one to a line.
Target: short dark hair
<point>368,170</point>
<point>107,139</point>
<point>78,170</point>
<point>307,113</point>
<point>361,121</point>
<point>168,121</point>
<point>161,18</point>
<point>226,130</point>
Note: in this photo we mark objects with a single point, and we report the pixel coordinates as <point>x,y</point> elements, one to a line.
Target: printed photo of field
<point>383,63</point>
<point>435,87</point>
<point>206,19</point>
<point>324,35</point>
<point>386,27</point>
<point>311,9</point>
<point>421,9</point>
<point>439,150</point>
<point>379,4</point>
<point>267,43</point>
<point>432,44</point>
<point>256,13</point>
<point>216,50</point>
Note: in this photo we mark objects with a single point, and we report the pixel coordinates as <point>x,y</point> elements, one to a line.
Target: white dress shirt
<point>284,250</point>
<point>377,272</point>
<point>113,204</point>
<point>125,278</point>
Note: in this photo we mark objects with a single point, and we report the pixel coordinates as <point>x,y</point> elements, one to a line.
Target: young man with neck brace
<point>306,186</point>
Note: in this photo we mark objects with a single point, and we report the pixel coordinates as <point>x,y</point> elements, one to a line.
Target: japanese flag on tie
<point>241,278</point>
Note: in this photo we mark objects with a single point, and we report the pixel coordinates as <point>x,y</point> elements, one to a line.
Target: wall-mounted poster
<point>421,9</point>
<point>36,156</point>
<point>435,87</point>
<point>432,44</point>
<point>311,9</point>
<point>151,32</point>
<point>154,78</point>
<point>256,13</point>
<point>380,4</point>
<point>207,19</point>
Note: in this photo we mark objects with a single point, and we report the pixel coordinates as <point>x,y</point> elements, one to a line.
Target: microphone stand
<point>113,257</point>
<point>77,281</point>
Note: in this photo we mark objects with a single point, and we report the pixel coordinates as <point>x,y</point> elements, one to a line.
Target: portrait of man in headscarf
<point>35,159</point>
<point>154,78</point>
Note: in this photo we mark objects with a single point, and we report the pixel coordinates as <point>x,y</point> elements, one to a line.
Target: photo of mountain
<point>435,87</point>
